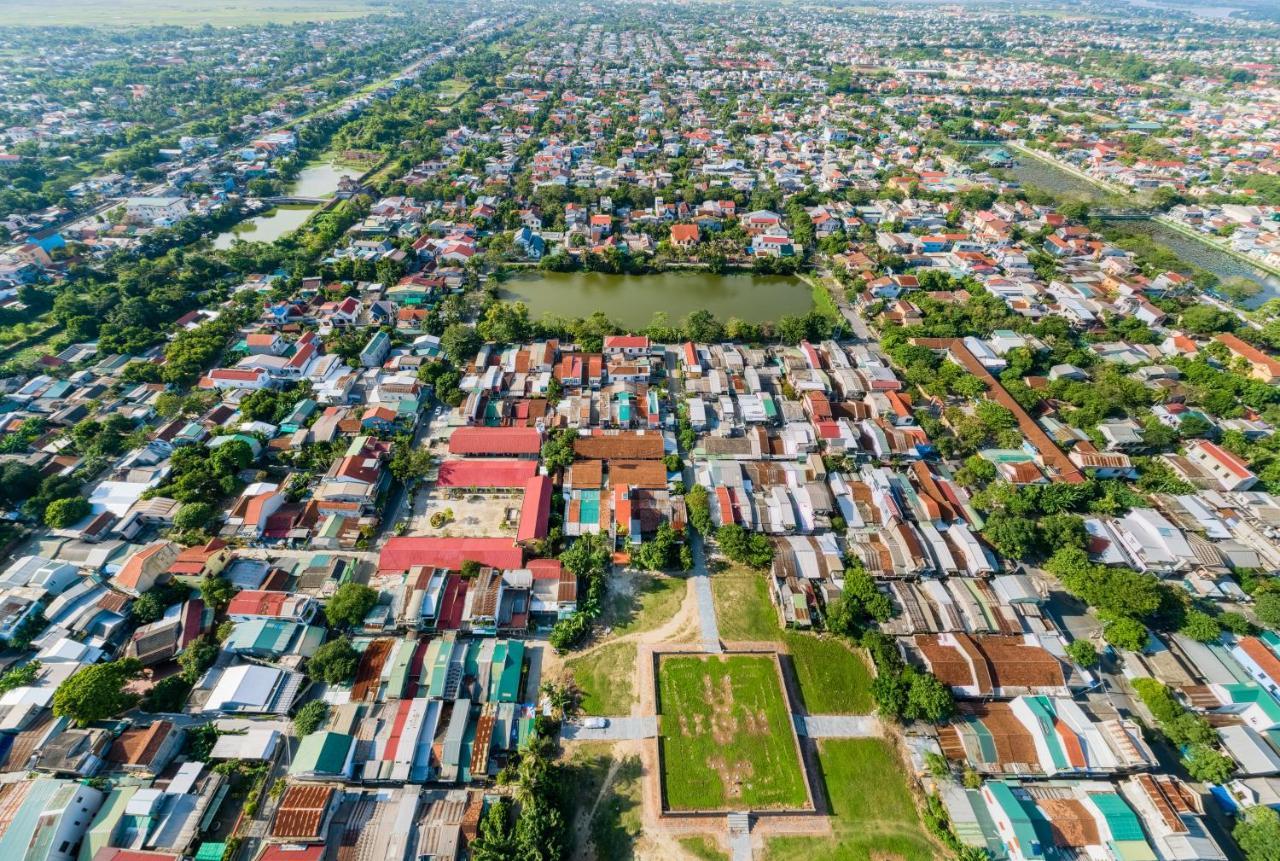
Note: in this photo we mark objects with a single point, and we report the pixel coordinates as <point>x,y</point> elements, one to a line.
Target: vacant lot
<point>875,816</point>
<point>184,13</point>
<point>606,678</point>
<point>642,602</point>
<point>727,739</point>
<point>743,609</point>
<point>833,678</point>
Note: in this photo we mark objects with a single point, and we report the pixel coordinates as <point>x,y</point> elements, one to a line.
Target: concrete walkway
<point>838,726</point>
<point>710,630</point>
<point>740,836</point>
<point>619,729</point>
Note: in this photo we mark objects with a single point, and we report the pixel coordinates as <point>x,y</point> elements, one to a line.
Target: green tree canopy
<point>96,692</point>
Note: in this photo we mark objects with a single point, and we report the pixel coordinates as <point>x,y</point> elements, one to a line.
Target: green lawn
<point>833,678</point>
<point>617,822</point>
<point>744,611</point>
<point>726,735</point>
<point>588,767</point>
<point>875,815</point>
<point>649,603</point>
<point>605,677</point>
<point>703,848</point>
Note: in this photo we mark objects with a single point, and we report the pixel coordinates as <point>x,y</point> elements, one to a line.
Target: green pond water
<point>632,300</point>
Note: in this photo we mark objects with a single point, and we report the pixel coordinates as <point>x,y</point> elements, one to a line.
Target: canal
<point>632,300</point>
<point>317,179</point>
<point>1033,172</point>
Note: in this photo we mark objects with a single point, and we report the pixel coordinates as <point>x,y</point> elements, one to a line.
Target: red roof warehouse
<point>496,442</point>
<point>486,473</point>
<point>402,553</point>
<point>535,511</point>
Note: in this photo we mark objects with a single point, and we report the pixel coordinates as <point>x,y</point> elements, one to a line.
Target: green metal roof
<point>1019,818</point>
<point>1044,715</point>
<point>211,851</point>
<point>104,823</point>
<point>509,686</point>
<point>1121,820</point>
<point>323,752</point>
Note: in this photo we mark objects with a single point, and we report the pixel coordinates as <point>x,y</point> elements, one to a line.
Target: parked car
<point>595,723</point>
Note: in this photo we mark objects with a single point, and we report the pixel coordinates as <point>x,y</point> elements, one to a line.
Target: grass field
<point>605,677</point>
<point>703,848</point>
<point>617,823</point>
<point>648,603</point>
<point>743,609</point>
<point>183,13</point>
<point>726,735</point>
<point>874,814</point>
<point>833,678</point>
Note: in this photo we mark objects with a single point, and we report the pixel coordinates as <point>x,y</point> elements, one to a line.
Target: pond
<point>267,227</point>
<point>320,179</point>
<point>632,300</point>
<point>317,179</point>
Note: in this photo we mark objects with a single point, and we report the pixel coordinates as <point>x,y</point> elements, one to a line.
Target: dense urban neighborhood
<point>517,431</point>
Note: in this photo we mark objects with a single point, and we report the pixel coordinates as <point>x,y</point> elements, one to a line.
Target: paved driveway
<point>619,729</point>
<point>839,726</point>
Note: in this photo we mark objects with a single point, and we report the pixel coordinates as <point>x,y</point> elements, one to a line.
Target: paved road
<point>619,729</point>
<point>838,726</point>
<point>710,630</point>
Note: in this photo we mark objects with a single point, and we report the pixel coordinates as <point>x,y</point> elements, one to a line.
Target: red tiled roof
<point>252,602</point>
<point>535,510</point>
<point>486,473</point>
<point>404,552</point>
<point>495,441</point>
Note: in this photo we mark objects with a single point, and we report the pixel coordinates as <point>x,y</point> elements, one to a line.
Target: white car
<point>595,723</point>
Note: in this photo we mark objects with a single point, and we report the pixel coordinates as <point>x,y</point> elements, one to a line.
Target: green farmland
<point>726,735</point>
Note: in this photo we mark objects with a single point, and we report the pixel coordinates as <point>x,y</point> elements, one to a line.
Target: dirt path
<point>681,627</point>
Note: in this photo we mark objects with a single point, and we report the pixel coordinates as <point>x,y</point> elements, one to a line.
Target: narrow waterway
<point>1034,172</point>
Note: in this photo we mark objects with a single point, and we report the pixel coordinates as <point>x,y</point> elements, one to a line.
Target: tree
<point>557,451</point>
<point>217,592</point>
<point>1207,765</point>
<point>310,717</point>
<point>62,513</point>
<point>1267,606</point>
<point>1082,652</point>
<point>335,662</point>
<point>1013,536</point>
<point>349,605</point>
<point>698,503</point>
<point>21,676</point>
<point>97,692</point>
<point>198,657</point>
<point>1062,530</point>
<point>147,609</point>
<point>195,515</point>
<point>1258,833</point>
<point>460,343</point>
<point>745,547</point>
<point>660,552</point>
<point>168,696</point>
<point>1124,632</point>
<point>1202,319</point>
<point>870,601</point>
<point>928,699</point>
<point>1199,625</point>
<point>408,463</point>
